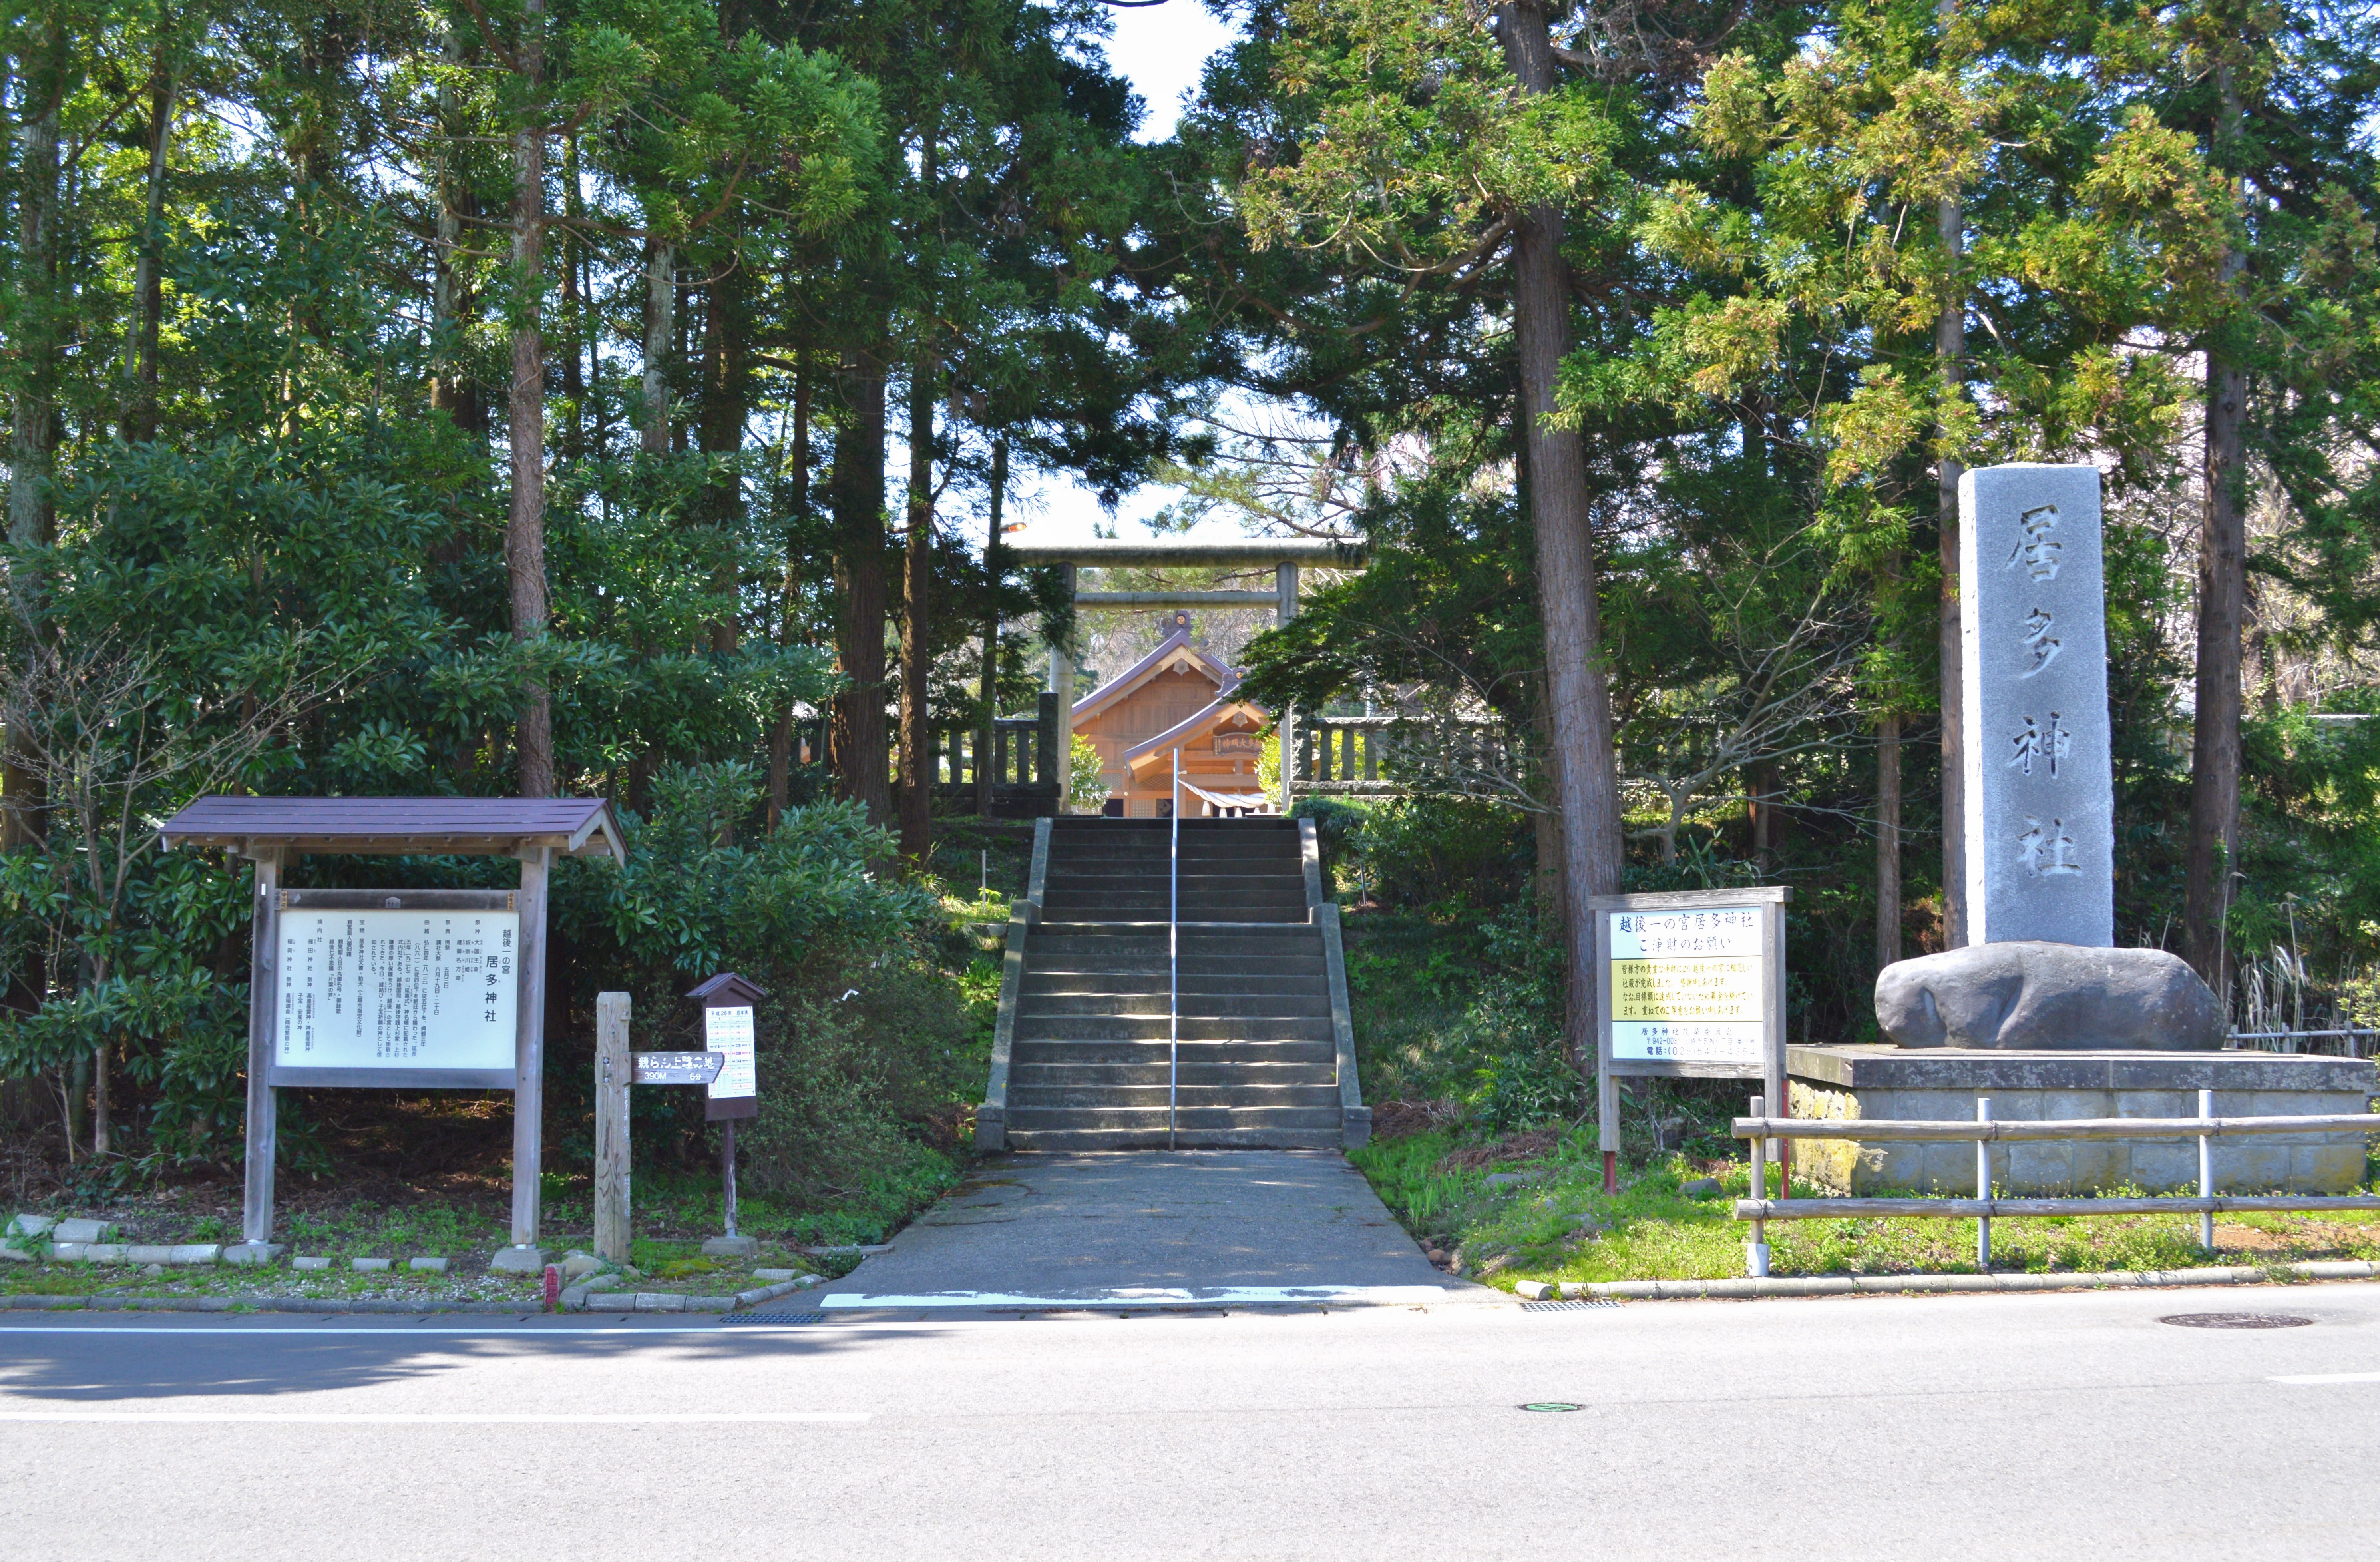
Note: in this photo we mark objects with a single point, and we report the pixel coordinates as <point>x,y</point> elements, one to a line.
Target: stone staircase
<point>1081,1056</point>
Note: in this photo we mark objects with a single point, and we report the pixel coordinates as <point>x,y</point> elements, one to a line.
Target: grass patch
<point>1561,1226</point>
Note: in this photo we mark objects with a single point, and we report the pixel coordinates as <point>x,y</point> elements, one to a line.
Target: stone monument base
<point>1851,1083</point>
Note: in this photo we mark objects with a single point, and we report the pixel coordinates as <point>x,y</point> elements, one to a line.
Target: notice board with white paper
<point>398,997</point>
<point>727,1029</point>
<point>1692,983</point>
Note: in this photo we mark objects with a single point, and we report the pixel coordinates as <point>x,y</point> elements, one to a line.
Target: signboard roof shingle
<point>576,826</point>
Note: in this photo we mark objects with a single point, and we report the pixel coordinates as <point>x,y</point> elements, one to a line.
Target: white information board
<point>1686,985</point>
<point>402,991</point>
<point>729,1030</point>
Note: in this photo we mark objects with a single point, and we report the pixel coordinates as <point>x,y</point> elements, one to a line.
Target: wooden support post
<point>263,1024</point>
<point>1051,747</point>
<point>727,1173</point>
<point>1059,755</point>
<point>613,1072</point>
<point>528,1065</point>
<point>1285,580</point>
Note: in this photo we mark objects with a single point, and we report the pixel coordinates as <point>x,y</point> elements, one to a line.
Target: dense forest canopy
<point>526,397</point>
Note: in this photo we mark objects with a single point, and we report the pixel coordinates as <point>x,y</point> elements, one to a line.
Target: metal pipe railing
<point>1985,1131</point>
<point>1174,964</point>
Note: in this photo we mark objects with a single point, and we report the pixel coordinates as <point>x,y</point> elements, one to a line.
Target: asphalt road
<point>2015,1426</point>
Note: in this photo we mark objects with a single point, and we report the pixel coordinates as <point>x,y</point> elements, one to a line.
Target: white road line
<point>2317,1380</point>
<point>263,1329</point>
<point>1146,1296</point>
<point>325,1418</point>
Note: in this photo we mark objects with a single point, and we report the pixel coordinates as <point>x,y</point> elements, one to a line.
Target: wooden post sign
<point>727,1003</point>
<point>615,1070</point>
<point>397,989</point>
<point>1690,984</point>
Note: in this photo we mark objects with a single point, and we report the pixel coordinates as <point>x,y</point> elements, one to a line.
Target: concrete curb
<point>256,1303</point>
<point>599,1301</point>
<point>1887,1284</point>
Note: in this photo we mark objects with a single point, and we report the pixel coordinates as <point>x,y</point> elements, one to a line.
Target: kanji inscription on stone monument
<point>2040,810</point>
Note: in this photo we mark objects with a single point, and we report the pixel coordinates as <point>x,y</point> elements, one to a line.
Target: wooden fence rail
<point>2206,1127</point>
<point>1364,755</point>
<point>1997,1131</point>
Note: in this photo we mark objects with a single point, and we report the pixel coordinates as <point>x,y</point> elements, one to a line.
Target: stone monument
<point>2032,626</point>
<point>2041,1012</point>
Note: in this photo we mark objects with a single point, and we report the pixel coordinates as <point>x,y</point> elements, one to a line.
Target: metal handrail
<point>1174,964</point>
<point>1758,1127</point>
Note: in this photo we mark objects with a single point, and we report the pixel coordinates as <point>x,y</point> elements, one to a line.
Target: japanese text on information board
<point>729,1030</point>
<point>406,990</point>
<point>1686,985</point>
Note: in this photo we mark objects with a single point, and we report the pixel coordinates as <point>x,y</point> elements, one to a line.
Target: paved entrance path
<point>1153,1228</point>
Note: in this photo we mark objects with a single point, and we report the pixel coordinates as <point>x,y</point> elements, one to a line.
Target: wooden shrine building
<point>1176,699</point>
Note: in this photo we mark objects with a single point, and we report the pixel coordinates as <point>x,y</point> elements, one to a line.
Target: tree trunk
<point>1888,841</point>
<point>725,411</point>
<point>660,330</point>
<point>916,619</point>
<point>2222,595</point>
<point>33,424</point>
<point>525,534</point>
<point>987,690</point>
<point>102,1107</point>
<point>1586,771</point>
<point>1761,781</point>
<point>781,735</point>
<point>574,305</point>
<point>858,736</point>
<point>452,390</point>
<point>139,421</point>
<point>1951,354</point>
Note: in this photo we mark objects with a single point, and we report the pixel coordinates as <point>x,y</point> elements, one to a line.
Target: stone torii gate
<point>1284,555</point>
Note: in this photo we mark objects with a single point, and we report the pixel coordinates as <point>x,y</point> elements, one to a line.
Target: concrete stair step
<point>1204,1006</point>
<point>1074,1075</point>
<point>1153,1028</point>
<point>1214,877</point>
<point>1322,1098</point>
<point>1041,983</point>
<point>1310,1119</point>
<point>1056,968</point>
<point>1149,903</point>
<point>1056,1142</point>
<point>1087,1051</point>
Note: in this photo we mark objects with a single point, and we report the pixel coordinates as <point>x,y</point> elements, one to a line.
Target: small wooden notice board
<point>1690,984</point>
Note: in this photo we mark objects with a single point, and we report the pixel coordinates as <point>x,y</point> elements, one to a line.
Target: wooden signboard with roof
<point>397,988</point>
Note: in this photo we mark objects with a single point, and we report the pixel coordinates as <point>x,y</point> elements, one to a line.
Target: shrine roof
<point>386,826</point>
<point>1196,725</point>
<point>1176,644</point>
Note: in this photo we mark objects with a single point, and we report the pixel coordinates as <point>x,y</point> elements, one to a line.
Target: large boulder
<point>2025,996</point>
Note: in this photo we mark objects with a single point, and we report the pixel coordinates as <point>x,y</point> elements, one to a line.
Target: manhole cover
<point>2236,1320</point>
<point>1552,1405</point>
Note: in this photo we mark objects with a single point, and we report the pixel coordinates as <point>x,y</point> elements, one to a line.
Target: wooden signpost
<point>1691,984</point>
<point>731,1088</point>
<point>727,1003</point>
<point>404,989</point>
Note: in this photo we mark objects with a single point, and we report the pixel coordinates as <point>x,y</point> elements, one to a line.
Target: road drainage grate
<point>1564,1306</point>
<point>775,1318</point>
<point>2236,1320</point>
